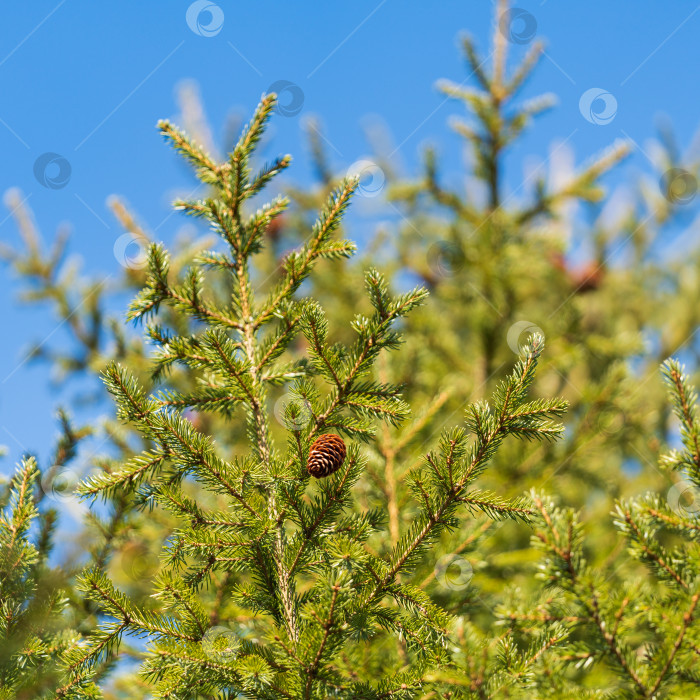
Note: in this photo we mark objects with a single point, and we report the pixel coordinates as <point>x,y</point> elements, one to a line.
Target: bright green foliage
<point>30,604</point>
<point>494,261</point>
<point>361,585</point>
<point>502,260</point>
<point>41,612</point>
<point>262,542</point>
<point>644,631</point>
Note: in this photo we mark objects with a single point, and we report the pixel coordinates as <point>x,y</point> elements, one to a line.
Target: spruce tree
<point>290,557</point>
<point>40,610</point>
<point>644,633</point>
<point>498,261</point>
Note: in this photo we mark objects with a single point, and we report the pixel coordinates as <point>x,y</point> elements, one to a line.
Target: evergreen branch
<point>483,528</point>
<point>272,349</point>
<point>253,131</point>
<point>254,527</point>
<point>266,174</point>
<point>259,222</point>
<point>582,186</point>
<point>475,62</point>
<point>684,400</point>
<point>375,334</point>
<point>298,265</point>
<point>687,620</point>
<point>206,167</point>
<point>651,551</point>
<point>218,216</point>
<point>201,311</point>
<point>219,343</point>
<point>496,507</point>
<point>500,52</point>
<point>22,511</point>
<point>525,68</point>
<point>257,392</point>
<point>410,431</point>
<point>170,434</point>
<point>132,472</point>
<point>588,598</point>
<point>510,394</point>
<point>546,645</point>
<point>673,520</point>
<point>312,669</point>
<point>327,507</point>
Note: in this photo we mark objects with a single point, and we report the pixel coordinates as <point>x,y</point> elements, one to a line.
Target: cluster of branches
<point>645,631</point>
<point>290,556</point>
<point>39,609</point>
<point>495,260</point>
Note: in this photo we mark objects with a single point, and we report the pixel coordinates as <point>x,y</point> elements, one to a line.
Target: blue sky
<point>89,80</point>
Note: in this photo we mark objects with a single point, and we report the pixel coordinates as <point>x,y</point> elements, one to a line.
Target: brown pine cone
<point>326,455</point>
